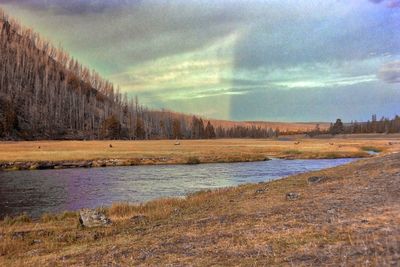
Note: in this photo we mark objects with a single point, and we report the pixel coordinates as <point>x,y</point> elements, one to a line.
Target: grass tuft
<point>23,218</point>
<point>121,209</point>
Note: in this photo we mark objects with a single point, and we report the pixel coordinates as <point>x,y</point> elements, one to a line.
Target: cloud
<point>389,3</point>
<point>394,4</point>
<point>342,35</point>
<point>390,72</point>
<point>71,7</point>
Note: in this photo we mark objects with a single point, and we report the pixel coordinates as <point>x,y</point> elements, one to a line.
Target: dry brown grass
<point>205,151</point>
<point>351,218</point>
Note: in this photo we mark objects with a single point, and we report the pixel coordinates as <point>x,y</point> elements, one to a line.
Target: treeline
<point>384,125</point>
<point>46,94</point>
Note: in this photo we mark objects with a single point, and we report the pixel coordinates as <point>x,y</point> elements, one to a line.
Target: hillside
<point>46,94</point>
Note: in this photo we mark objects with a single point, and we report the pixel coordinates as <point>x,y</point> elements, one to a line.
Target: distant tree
<point>316,131</point>
<point>111,128</point>
<point>201,129</point>
<point>277,132</point>
<point>337,127</point>
<point>1,129</point>
<point>176,129</point>
<point>209,131</point>
<point>197,129</point>
<point>139,129</point>
<point>220,132</point>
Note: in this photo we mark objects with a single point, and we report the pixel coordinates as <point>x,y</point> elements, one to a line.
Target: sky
<point>276,60</point>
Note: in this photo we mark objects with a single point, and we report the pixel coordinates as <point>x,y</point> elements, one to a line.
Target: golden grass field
<point>204,151</point>
<point>351,218</point>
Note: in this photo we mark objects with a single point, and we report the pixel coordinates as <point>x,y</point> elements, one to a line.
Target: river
<point>37,192</point>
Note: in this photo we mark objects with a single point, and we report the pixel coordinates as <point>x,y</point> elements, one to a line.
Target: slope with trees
<point>46,94</point>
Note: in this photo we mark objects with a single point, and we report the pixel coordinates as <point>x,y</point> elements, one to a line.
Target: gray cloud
<point>71,7</point>
<point>333,38</point>
<point>389,3</point>
<point>277,33</point>
<point>394,4</point>
<point>390,72</point>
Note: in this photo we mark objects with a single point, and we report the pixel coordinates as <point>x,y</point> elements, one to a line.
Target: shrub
<point>193,160</point>
<point>332,156</point>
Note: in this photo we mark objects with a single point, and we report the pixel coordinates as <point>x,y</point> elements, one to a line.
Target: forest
<point>47,94</point>
<point>384,125</point>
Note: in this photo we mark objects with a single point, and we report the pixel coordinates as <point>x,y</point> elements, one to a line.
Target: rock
<point>292,196</point>
<point>34,166</point>
<point>316,179</point>
<point>45,165</point>
<point>331,211</point>
<point>93,218</point>
<point>261,191</point>
<point>36,241</point>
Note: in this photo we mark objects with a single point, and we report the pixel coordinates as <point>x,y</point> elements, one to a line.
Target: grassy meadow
<point>197,151</point>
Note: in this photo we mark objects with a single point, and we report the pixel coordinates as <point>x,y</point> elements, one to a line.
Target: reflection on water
<point>36,192</point>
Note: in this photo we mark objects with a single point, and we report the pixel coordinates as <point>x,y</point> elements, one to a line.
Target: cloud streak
<point>390,72</point>
<point>389,3</point>
<point>72,7</point>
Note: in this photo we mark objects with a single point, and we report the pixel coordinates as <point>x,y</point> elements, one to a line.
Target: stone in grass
<point>292,196</point>
<point>93,218</point>
<point>316,179</point>
<point>261,190</point>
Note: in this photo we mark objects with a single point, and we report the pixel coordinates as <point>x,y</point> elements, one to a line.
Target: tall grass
<point>23,218</point>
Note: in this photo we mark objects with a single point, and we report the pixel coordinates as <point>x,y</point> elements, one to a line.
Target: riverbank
<point>83,154</point>
<point>347,215</point>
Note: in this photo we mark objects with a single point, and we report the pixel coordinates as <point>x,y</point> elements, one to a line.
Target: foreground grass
<point>99,153</point>
<point>352,217</point>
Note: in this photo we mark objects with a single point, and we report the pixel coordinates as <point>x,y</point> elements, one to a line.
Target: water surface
<point>36,192</point>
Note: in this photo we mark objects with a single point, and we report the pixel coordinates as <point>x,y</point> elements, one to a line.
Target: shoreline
<point>101,163</point>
